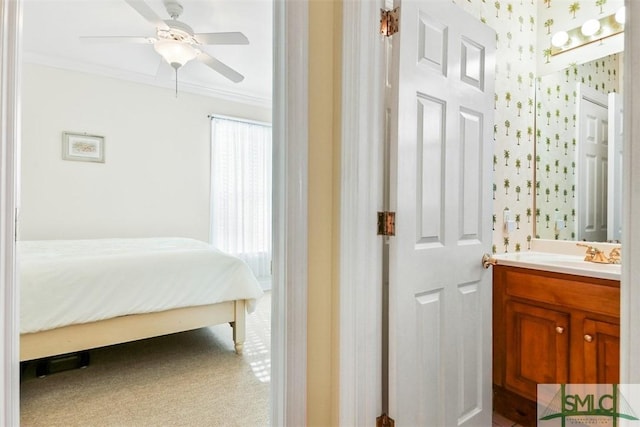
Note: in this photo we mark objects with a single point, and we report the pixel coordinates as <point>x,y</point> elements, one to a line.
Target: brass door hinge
<point>384,421</point>
<point>386,223</point>
<point>389,21</point>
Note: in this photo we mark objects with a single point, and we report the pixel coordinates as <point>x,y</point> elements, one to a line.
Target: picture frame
<point>82,147</point>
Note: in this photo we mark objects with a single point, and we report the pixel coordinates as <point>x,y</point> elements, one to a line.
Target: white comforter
<point>64,282</point>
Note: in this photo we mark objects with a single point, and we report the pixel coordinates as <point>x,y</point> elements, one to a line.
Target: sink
<point>560,263</point>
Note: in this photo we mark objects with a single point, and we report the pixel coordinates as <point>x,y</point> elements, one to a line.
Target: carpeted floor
<point>188,379</point>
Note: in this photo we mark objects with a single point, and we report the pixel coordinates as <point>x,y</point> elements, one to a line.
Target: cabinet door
<point>601,352</point>
<point>537,344</point>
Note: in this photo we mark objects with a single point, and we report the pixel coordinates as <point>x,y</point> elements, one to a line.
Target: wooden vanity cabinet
<point>601,352</point>
<point>537,347</point>
<point>550,328</point>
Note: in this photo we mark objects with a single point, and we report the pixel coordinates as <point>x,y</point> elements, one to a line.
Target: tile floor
<point>500,421</point>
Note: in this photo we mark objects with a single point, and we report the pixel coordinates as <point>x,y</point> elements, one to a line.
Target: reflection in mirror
<point>572,158</point>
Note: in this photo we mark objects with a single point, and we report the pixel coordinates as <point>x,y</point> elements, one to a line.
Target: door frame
<point>614,210</point>
<point>290,229</point>
<point>362,181</point>
<point>630,292</point>
<point>11,20</point>
<point>290,124</point>
<point>360,316</point>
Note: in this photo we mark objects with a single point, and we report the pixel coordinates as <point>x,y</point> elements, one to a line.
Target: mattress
<point>65,282</point>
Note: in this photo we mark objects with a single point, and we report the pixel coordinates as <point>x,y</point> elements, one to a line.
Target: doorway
<point>154,163</point>
<point>361,139</point>
<point>290,127</point>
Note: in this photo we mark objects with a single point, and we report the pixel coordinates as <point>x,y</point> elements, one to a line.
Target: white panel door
<point>614,196</point>
<point>441,149</point>
<point>592,164</point>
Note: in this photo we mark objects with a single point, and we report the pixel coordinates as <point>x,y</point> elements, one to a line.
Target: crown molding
<point>131,76</point>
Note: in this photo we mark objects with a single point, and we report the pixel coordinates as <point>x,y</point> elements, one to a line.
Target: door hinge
<point>389,21</point>
<point>384,421</point>
<point>386,223</point>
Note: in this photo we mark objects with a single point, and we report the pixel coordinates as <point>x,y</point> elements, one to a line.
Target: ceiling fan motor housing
<point>177,31</point>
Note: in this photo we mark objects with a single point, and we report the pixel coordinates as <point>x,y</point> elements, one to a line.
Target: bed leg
<point>239,326</point>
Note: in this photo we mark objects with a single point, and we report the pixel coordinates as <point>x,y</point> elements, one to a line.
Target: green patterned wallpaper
<point>513,161</point>
<point>556,143</point>
<point>517,25</point>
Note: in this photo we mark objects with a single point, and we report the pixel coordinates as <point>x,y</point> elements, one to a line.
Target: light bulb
<point>560,38</point>
<point>590,27</point>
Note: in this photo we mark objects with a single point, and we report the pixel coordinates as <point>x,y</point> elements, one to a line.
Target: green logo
<point>586,404</point>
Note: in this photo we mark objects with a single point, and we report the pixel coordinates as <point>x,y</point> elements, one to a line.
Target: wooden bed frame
<point>86,336</point>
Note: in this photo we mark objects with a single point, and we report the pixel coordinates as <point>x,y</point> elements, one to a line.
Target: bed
<point>82,294</point>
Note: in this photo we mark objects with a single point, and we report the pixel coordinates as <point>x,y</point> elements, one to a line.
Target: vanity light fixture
<point>560,39</point>
<point>593,30</point>
<point>590,27</point>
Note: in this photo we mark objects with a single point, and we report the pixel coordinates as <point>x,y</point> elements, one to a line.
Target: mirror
<point>577,158</point>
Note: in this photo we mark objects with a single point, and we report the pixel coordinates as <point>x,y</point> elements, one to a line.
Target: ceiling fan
<point>176,42</point>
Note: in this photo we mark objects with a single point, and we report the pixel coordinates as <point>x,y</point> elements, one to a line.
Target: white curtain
<point>241,191</point>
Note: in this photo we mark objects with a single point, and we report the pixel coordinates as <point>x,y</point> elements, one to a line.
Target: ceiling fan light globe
<point>174,52</point>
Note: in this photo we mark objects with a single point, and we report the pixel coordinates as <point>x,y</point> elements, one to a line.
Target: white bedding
<point>64,282</point>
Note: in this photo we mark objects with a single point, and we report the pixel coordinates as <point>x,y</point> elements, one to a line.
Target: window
<point>241,191</point>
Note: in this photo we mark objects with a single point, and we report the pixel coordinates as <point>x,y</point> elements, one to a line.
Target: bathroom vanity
<point>556,319</point>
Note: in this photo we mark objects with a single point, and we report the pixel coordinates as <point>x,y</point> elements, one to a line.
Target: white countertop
<point>560,263</point>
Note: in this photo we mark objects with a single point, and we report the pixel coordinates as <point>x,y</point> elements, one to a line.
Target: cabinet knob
<point>588,338</point>
<point>559,329</point>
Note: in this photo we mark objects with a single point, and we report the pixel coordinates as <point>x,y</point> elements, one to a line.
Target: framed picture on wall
<point>82,147</point>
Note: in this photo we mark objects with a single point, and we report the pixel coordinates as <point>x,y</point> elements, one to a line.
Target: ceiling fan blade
<point>221,38</point>
<point>147,13</point>
<point>117,39</point>
<point>221,68</point>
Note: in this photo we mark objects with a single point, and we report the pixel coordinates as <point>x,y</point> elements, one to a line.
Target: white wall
<point>155,180</point>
